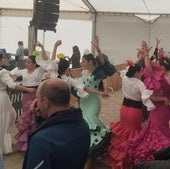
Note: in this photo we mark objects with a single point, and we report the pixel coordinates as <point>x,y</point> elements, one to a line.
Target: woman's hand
<point>37,43</point>
<point>104,95</point>
<point>95,42</point>
<point>166,101</point>
<point>157,42</point>
<point>58,43</point>
<point>31,90</point>
<point>145,48</point>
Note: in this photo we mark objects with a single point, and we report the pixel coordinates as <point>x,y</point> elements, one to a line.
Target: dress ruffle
<point>146,94</point>
<point>104,70</point>
<point>93,122</point>
<point>100,139</point>
<point>2,72</point>
<point>25,126</point>
<point>154,81</point>
<point>116,157</point>
<point>141,147</point>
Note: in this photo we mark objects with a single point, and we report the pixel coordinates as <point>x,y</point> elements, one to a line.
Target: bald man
<point>62,141</point>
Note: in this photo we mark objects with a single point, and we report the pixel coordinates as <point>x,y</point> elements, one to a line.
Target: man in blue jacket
<point>62,141</point>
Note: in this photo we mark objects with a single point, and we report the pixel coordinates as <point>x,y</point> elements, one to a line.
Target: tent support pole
<point>32,38</point>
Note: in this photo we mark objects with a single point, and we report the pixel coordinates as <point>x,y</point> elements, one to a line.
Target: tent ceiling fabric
<point>114,6</point>
<point>132,6</point>
<point>66,5</point>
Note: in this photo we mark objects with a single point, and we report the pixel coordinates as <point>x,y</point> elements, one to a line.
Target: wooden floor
<point>109,112</point>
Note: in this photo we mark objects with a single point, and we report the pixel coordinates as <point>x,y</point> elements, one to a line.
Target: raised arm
<point>44,55</point>
<point>58,43</point>
<point>157,42</point>
<point>95,43</point>
<point>155,54</point>
<point>146,51</point>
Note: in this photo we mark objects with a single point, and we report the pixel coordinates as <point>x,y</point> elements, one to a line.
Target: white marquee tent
<point>120,24</point>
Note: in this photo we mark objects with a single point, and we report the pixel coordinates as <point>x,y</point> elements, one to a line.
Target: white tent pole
<point>32,38</point>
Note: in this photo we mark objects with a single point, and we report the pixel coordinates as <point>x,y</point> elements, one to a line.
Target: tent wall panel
<point>161,29</point>
<point>121,35</point>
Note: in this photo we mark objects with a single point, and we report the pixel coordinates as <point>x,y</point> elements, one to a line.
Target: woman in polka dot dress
<point>91,105</point>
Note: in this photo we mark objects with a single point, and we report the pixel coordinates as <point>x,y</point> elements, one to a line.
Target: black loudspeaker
<point>45,14</point>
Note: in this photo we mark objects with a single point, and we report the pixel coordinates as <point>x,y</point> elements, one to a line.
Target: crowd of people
<point>54,134</point>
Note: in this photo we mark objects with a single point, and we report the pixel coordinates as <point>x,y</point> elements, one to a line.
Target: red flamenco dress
<point>130,124</point>
<point>155,135</point>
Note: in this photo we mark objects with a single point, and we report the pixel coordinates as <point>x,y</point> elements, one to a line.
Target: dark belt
<point>132,103</point>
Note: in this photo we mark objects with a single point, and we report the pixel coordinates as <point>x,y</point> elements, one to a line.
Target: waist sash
<point>132,103</point>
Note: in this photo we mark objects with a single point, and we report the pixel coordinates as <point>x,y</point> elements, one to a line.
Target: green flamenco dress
<point>91,108</point>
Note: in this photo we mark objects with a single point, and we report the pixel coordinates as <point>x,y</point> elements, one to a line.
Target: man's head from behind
<point>52,95</point>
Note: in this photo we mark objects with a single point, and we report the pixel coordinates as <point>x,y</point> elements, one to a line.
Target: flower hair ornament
<point>60,56</point>
<point>36,53</point>
<point>130,63</point>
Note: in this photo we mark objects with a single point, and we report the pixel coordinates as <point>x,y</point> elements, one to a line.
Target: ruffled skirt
<point>127,128</point>
<point>7,121</point>
<point>151,138</point>
<point>100,134</point>
<point>25,123</point>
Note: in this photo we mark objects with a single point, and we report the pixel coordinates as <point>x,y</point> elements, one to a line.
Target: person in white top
<point>31,77</point>
<point>130,124</point>
<point>7,112</point>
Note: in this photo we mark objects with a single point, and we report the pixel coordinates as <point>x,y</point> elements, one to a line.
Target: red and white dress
<point>130,124</point>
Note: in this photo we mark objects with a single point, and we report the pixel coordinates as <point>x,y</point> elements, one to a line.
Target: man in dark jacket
<point>62,141</point>
<point>157,164</point>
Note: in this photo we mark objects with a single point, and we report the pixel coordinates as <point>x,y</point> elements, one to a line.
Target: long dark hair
<point>32,57</point>
<point>62,66</point>
<point>90,57</point>
<point>132,70</point>
<point>165,62</point>
<point>76,51</point>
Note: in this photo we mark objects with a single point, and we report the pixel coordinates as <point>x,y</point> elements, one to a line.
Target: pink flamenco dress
<point>25,123</point>
<point>130,124</point>
<point>155,135</point>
